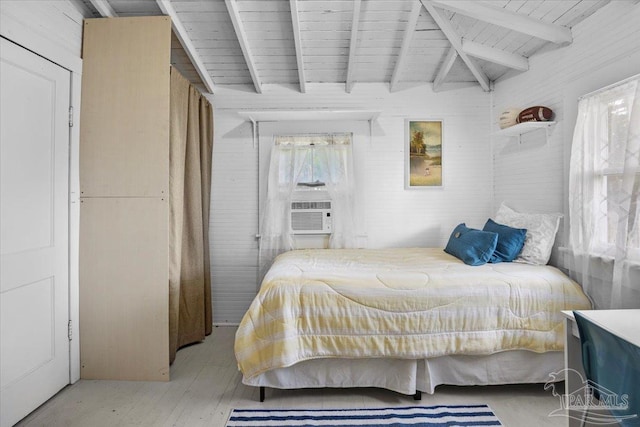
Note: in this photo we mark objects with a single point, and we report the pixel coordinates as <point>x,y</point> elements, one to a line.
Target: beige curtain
<point>191,141</point>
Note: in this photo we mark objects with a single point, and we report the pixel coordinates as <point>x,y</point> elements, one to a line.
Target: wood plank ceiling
<point>447,43</point>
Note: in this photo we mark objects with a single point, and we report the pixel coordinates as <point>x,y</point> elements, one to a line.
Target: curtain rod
<point>611,86</point>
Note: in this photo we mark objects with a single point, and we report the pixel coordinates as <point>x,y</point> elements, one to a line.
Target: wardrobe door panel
<point>124,124</point>
<point>124,305</point>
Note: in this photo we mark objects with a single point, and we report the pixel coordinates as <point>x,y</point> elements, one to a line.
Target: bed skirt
<point>410,376</point>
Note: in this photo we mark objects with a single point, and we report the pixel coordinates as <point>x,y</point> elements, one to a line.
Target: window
<point>604,193</point>
<point>310,160</point>
<point>307,168</point>
<point>610,177</point>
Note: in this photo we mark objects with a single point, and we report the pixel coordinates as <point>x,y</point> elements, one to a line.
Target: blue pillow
<point>473,247</point>
<point>510,241</point>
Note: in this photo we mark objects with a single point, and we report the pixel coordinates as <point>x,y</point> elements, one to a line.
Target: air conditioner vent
<point>310,205</point>
<point>301,221</point>
<point>311,217</point>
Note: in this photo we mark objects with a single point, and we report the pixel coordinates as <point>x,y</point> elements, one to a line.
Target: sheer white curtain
<point>285,169</point>
<point>604,196</point>
<point>326,158</point>
<point>336,160</point>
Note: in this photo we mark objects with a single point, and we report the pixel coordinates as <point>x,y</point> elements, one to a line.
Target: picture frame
<point>423,154</point>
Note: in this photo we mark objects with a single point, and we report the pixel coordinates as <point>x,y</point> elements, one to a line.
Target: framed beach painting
<point>423,154</point>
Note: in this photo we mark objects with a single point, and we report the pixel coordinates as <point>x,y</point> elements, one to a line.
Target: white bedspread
<point>400,303</point>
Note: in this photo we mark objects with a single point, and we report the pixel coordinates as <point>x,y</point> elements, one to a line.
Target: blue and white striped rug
<point>417,416</point>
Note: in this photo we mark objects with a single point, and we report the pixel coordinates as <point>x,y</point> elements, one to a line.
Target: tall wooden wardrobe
<point>124,211</point>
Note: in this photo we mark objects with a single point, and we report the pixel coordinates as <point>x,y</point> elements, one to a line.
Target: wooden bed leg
<point>261,393</point>
<point>418,395</point>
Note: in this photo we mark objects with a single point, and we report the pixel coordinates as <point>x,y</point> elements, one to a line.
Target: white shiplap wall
<point>58,21</point>
<point>533,175</point>
<point>395,217</point>
<point>233,216</point>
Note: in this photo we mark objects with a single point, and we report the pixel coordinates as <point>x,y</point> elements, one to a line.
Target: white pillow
<point>541,233</point>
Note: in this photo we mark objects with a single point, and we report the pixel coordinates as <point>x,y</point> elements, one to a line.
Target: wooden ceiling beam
<point>508,19</point>
<point>181,33</point>
<point>234,14</point>
<point>295,21</point>
<point>456,42</point>
<point>497,56</point>
<point>406,42</point>
<point>444,69</point>
<point>352,45</point>
<point>104,8</point>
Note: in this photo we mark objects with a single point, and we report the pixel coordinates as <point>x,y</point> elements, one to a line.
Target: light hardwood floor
<point>205,385</point>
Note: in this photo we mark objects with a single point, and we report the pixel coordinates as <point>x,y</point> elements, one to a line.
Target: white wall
<point>59,22</point>
<point>395,217</point>
<point>533,175</point>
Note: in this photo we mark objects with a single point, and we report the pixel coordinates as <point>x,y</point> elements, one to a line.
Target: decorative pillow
<point>473,247</point>
<point>541,233</point>
<point>510,241</point>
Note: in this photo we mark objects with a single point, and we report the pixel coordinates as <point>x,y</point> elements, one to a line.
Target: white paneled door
<point>34,170</point>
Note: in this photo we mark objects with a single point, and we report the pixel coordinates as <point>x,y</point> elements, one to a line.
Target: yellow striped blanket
<point>400,303</point>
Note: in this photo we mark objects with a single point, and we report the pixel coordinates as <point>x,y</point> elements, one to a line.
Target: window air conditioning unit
<point>313,217</point>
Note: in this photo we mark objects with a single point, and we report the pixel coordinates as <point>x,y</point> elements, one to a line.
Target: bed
<point>405,320</point>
